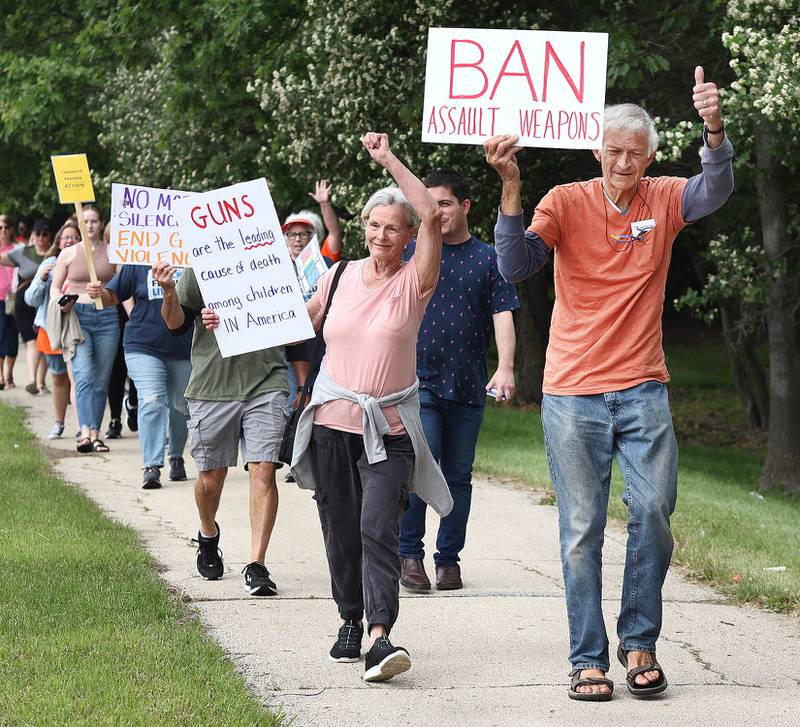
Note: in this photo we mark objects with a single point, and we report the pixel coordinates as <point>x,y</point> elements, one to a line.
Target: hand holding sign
<point>164,275</point>
<point>501,154</point>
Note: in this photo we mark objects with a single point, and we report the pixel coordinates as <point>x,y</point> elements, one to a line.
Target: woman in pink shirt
<point>366,445</point>
<point>9,337</point>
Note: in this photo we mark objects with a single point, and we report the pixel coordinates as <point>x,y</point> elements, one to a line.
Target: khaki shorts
<point>218,428</point>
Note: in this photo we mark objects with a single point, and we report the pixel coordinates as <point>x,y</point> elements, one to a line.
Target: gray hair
<point>633,119</point>
<point>387,196</point>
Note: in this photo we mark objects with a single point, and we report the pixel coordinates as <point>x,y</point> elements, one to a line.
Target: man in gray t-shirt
<point>234,402</point>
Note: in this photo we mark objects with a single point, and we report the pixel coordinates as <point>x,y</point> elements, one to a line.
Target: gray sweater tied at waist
<point>427,480</point>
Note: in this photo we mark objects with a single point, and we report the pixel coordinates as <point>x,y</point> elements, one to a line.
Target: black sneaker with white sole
<point>384,660</point>
<point>257,581</point>
<point>151,479</point>
<point>347,648</point>
<point>209,557</point>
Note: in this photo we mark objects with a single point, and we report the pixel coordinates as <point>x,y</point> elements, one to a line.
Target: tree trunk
<point>782,466</point>
<point>533,326</point>
<point>748,373</point>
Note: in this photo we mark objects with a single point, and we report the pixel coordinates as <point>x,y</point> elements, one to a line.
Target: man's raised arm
<point>520,253</point>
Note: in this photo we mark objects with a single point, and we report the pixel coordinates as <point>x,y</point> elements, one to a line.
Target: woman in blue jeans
<point>159,365</point>
<point>94,356</point>
<point>38,295</point>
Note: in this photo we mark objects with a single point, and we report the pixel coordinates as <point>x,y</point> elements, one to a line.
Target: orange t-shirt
<point>605,333</point>
<point>326,251</point>
<point>371,339</point>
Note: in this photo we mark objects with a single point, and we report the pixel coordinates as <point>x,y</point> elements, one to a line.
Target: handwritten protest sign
<point>144,230</point>
<point>243,268</point>
<point>73,180</point>
<point>311,267</point>
<point>74,184</point>
<point>547,87</point>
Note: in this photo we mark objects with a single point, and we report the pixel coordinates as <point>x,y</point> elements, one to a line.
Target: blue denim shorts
<point>56,364</point>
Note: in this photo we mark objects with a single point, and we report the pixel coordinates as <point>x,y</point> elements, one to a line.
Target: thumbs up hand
<point>706,99</point>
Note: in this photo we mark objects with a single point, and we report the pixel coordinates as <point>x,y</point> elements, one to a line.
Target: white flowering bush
<point>763,38</point>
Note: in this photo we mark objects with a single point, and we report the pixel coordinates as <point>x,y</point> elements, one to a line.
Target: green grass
<point>727,533</point>
<point>88,633</point>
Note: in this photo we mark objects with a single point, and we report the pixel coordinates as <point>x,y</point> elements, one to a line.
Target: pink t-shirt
<point>371,339</point>
<point>6,274</point>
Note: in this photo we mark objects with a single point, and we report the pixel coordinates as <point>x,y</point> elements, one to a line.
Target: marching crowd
<point>386,404</point>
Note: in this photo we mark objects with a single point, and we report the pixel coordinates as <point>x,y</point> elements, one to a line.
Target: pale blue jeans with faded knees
<point>160,383</point>
<point>93,361</point>
<point>582,436</point>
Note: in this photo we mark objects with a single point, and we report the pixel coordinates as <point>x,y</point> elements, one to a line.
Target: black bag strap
<point>316,357</point>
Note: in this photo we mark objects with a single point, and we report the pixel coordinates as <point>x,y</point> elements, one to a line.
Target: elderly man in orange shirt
<point>605,376</point>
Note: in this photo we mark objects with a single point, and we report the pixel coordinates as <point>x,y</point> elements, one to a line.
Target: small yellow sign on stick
<point>72,178</point>
<point>74,184</point>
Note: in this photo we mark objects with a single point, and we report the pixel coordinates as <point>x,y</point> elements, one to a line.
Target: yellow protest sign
<point>72,178</point>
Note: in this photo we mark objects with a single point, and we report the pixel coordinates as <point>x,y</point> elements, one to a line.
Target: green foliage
<point>88,633</point>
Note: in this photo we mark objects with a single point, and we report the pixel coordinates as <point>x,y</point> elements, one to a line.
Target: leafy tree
<point>763,37</point>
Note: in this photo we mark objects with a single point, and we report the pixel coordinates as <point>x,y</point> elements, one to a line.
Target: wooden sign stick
<point>87,249</point>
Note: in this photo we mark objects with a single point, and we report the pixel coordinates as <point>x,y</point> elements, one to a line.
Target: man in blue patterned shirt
<point>471,301</point>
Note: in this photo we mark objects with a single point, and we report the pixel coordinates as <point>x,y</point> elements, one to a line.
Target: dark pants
<point>451,429</point>
<point>360,506</point>
<point>119,374</point>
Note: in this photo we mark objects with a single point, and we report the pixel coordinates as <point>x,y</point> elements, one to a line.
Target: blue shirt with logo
<point>146,331</point>
<point>457,329</point>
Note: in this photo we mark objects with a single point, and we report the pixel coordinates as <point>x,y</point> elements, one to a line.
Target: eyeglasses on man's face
<point>302,235</point>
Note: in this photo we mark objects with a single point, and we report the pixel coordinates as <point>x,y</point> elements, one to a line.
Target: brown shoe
<point>413,575</point>
<point>448,577</point>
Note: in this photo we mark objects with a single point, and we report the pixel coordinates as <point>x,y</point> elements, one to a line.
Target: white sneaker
<point>56,431</point>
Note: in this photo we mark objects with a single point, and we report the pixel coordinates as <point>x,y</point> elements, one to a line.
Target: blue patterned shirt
<point>456,332</point>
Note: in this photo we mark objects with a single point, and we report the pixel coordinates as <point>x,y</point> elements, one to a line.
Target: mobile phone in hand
<point>64,299</point>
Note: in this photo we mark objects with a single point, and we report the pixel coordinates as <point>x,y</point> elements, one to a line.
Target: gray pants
<point>360,506</point>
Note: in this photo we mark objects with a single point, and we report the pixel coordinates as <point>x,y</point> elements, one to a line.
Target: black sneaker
<point>114,430</point>
<point>133,415</point>
<point>384,660</point>
<point>177,469</point>
<point>257,581</point>
<point>152,478</point>
<point>209,557</point>
<point>347,648</point>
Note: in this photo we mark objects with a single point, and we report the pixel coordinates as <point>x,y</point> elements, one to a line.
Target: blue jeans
<point>582,435</point>
<point>160,384</point>
<point>93,360</point>
<point>452,432</point>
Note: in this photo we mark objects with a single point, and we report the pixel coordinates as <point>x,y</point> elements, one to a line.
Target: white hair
<point>388,196</point>
<point>633,119</point>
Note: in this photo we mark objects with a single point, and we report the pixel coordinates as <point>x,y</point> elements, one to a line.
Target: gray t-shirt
<point>237,378</point>
<point>26,259</point>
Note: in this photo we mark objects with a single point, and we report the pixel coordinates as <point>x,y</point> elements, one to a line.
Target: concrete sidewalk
<point>492,654</point>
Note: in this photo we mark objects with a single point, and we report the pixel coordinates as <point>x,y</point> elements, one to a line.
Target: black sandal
<point>642,690</point>
<point>577,681</point>
<point>84,445</point>
<point>98,445</point>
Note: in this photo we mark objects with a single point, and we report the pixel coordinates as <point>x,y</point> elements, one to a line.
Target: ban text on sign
<point>547,87</point>
<point>144,229</point>
<point>73,181</point>
<point>243,268</point>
